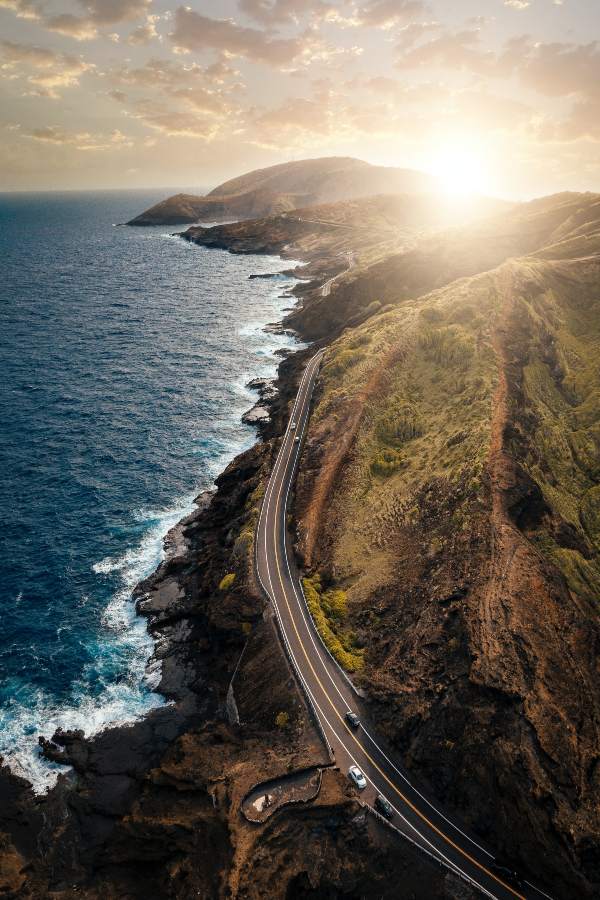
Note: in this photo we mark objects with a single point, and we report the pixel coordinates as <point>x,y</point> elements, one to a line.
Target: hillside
<point>266,192</point>
<point>562,224</point>
<point>450,487</point>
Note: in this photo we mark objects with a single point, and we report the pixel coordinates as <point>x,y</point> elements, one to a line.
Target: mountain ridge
<point>284,187</point>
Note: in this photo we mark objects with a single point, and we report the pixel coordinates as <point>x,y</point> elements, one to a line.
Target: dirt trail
<point>313,516</point>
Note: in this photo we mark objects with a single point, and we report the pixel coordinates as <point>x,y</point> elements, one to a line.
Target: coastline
<point>99,719</point>
<point>143,800</point>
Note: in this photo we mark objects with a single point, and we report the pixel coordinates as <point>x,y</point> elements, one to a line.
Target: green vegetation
<point>344,360</point>
<point>386,462</point>
<point>226,581</point>
<point>243,544</point>
<point>419,404</point>
<point>448,346</point>
<point>282,719</point>
<point>560,341</point>
<point>398,423</point>
<point>329,610</point>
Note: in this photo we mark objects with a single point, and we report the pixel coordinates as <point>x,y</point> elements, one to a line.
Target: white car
<point>292,425</point>
<point>355,775</point>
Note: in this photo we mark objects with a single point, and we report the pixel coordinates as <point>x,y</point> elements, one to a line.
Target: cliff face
<point>154,809</point>
<point>449,487</point>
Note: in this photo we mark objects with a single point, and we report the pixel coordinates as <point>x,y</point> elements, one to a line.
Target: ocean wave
<point>20,726</point>
<point>106,645</point>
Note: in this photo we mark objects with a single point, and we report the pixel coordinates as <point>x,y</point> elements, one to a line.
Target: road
<point>326,288</point>
<point>331,694</point>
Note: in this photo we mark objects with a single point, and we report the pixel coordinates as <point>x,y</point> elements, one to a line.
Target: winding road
<point>331,694</point>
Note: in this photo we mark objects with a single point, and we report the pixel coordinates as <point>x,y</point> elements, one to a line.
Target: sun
<point>460,169</point>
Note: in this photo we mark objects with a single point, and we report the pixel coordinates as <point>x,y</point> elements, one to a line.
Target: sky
<point>498,96</point>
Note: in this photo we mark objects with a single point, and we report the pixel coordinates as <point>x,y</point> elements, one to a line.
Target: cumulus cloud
<point>43,70</point>
<point>193,31</point>
<point>517,4</point>
<point>144,33</point>
<point>179,99</point>
<point>99,14</point>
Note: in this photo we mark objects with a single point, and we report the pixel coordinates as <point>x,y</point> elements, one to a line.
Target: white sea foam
<point>125,635</point>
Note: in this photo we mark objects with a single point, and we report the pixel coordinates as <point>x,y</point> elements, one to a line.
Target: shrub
<point>243,544</point>
<point>226,581</point>
<point>350,659</point>
<point>399,424</point>
<point>359,340</point>
<point>449,346</point>
<point>344,361</point>
<point>387,462</point>
<point>282,719</point>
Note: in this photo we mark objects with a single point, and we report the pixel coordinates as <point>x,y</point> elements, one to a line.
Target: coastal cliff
<point>447,490</point>
<point>154,808</point>
<point>281,188</point>
<point>447,487</point>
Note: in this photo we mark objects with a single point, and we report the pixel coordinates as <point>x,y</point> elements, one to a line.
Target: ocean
<point>125,358</point>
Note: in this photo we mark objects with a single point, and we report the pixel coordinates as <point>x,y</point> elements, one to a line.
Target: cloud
<point>388,13</point>
<point>51,70</point>
<point>144,33</point>
<point>561,70</point>
<point>179,99</point>
<point>451,50</point>
<point>410,34</point>
<point>80,140</point>
<point>23,9</point>
<point>100,14</point>
<point>193,31</point>
<point>178,124</point>
<point>517,4</point>
<point>279,12</point>
<point>72,26</point>
<point>112,12</point>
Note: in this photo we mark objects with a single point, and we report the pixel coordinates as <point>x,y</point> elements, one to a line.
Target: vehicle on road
<point>352,719</point>
<point>357,777</point>
<point>297,439</point>
<point>292,425</point>
<point>508,874</point>
<point>383,806</point>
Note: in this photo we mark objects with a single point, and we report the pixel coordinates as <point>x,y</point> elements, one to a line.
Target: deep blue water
<point>125,354</point>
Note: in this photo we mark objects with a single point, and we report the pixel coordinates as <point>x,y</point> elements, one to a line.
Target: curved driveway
<point>331,694</point>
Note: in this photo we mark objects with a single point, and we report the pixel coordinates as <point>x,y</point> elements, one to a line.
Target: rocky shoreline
<point>152,808</point>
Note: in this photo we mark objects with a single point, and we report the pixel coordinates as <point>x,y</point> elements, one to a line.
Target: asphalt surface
<point>331,694</point>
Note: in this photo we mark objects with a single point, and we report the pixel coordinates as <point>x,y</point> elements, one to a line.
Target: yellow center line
<point>415,809</point>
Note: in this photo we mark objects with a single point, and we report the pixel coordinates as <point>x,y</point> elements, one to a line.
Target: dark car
<point>505,873</point>
<point>383,806</point>
<point>352,719</point>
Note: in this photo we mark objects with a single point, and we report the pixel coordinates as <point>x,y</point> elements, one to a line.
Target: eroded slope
<point>449,487</point>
